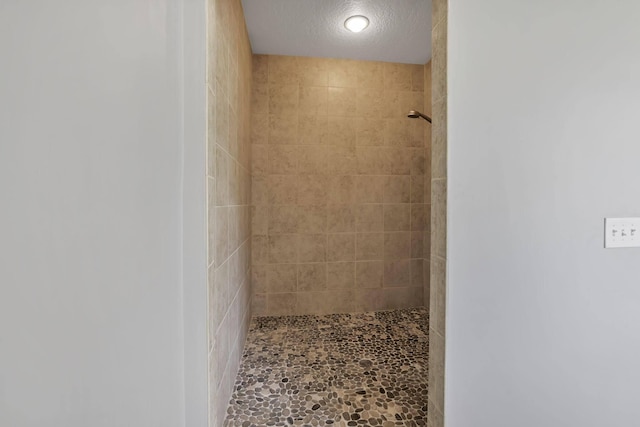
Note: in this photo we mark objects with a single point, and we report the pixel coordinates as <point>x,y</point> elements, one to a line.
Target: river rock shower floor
<point>366,369</point>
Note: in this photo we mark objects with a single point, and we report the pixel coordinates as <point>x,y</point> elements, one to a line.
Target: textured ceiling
<point>399,30</point>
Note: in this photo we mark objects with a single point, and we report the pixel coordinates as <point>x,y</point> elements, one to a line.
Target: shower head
<point>415,114</point>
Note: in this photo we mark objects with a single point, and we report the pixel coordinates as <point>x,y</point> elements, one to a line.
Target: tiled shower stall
<point>319,189</point>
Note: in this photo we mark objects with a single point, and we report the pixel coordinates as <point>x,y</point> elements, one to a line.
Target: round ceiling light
<point>356,23</point>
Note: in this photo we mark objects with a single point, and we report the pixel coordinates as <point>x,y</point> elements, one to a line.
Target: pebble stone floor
<point>365,369</point>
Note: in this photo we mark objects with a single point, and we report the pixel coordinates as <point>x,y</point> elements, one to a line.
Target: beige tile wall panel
<point>438,208</point>
<point>338,185</point>
<point>230,217</point>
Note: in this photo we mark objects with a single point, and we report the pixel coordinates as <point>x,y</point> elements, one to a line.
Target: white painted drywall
<point>542,322</point>
<point>194,209</point>
<point>92,331</point>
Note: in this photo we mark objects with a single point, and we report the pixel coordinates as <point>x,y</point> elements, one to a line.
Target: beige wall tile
<point>371,160</point>
<point>341,218</point>
<point>439,218</point>
<point>258,307</point>
<point>439,61</point>
<point>222,234</point>
<point>434,417</point>
<point>439,10</point>
<point>370,74</point>
<point>397,245</point>
<point>312,71</point>
<point>282,190</point>
<point>211,220</point>
<point>260,190</point>
<point>259,250</point>
<point>342,73</point>
<point>281,304</point>
<point>339,301</point>
<point>369,274</point>
<point>369,189</point>
<point>340,275</point>
<point>312,247</point>
<point>417,189</point>
<point>341,131</point>
<point>427,88</point>
<point>342,101</point>
<point>211,131</point>
<point>341,247</point>
<point>313,101</point>
<point>397,76</point>
<point>439,143</point>
<point>397,217</point>
<point>312,159</point>
<point>397,273</point>
<point>393,109</point>
<point>260,69</point>
<point>283,129</point>
<point>282,159</point>
<point>340,189</point>
<point>417,273</point>
<point>397,189</point>
<point>438,292</point>
<point>283,99</point>
<point>368,299</point>
<point>281,278</point>
<point>312,218</point>
<point>283,69</point>
<point>222,117</point>
<point>341,161</point>
<point>417,244</point>
<point>369,217</point>
<point>402,297</point>
<point>426,265</point>
<point>370,103</point>
<point>260,98</point>
<point>369,132</point>
<point>418,220</point>
<point>417,78</point>
<point>259,278</point>
<point>311,189</point>
<point>396,161</point>
<point>312,277</point>
<point>312,129</point>
<point>369,246</point>
<point>436,371</point>
<point>309,303</point>
<point>283,219</point>
<point>222,177</point>
<point>410,100</point>
<point>335,301</point>
<point>222,63</point>
<point>283,248</point>
<point>259,129</point>
<point>418,161</point>
<point>259,160</point>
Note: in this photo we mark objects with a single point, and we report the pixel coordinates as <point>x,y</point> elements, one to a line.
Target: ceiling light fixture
<point>356,23</point>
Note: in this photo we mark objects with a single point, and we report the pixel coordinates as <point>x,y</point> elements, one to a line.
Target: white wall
<point>91,296</point>
<point>194,221</point>
<point>542,322</point>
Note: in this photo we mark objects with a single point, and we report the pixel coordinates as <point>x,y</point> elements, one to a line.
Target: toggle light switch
<point>621,232</point>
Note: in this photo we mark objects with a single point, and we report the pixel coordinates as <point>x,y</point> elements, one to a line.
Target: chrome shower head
<point>415,114</point>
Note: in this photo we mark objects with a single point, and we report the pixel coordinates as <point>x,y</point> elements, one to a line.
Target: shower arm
<point>413,114</point>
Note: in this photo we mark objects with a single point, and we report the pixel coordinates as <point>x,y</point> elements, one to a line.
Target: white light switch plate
<point>621,232</point>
